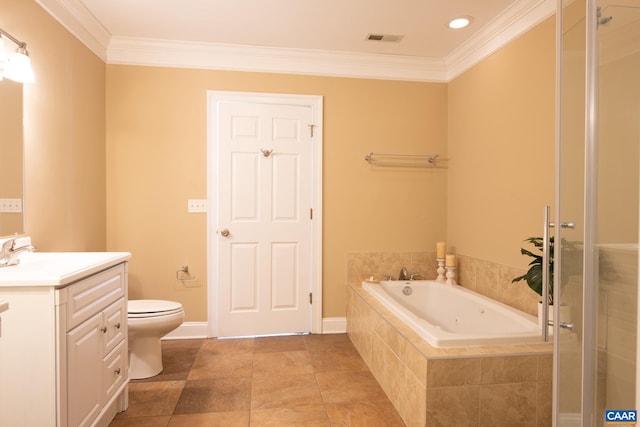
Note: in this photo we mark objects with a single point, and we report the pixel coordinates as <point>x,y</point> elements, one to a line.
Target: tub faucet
<point>404,274</point>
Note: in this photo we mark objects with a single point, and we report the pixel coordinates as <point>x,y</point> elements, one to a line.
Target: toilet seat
<point>145,308</point>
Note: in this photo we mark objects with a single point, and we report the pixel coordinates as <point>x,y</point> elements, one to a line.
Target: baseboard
<point>196,330</point>
<point>334,325</point>
<point>188,330</point>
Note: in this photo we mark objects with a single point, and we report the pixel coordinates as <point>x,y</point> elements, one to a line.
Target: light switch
<point>10,205</point>
<point>197,205</point>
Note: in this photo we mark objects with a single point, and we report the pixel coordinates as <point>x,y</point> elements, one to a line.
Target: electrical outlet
<point>11,205</point>
<point>197,205</point>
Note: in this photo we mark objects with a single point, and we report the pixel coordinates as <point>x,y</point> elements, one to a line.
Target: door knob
<point>224,232</point>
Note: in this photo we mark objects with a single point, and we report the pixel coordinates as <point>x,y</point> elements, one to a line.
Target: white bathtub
<point>450,315</point>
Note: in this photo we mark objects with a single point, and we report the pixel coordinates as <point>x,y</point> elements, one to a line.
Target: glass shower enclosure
<point>598,163</point>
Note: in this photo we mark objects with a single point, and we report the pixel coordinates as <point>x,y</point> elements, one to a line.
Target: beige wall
<point>11,152</point>
<point>501,149</point>
<point>493,123</point>
<point>156,160</point>
<point>64,116</point>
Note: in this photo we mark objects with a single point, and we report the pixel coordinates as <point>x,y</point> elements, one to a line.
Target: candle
<point>441,249</point>
<point>451,261</point>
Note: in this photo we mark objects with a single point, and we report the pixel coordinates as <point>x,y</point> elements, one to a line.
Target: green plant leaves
<point>533,276</point>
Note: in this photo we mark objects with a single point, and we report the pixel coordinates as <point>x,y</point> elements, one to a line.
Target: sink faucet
<point>404,274</point>
<point>9,252</point>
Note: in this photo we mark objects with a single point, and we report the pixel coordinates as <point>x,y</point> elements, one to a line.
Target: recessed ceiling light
<point>460,22</point>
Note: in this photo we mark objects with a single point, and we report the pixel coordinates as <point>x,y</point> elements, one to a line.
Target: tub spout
<point>404,274</point>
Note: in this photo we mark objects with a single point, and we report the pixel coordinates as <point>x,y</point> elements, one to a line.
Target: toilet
<point>150,320</point>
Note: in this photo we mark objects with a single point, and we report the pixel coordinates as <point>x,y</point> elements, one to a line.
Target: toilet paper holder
<point>183,273</point>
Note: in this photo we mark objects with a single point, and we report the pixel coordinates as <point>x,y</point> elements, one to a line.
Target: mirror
<point>11,161</point>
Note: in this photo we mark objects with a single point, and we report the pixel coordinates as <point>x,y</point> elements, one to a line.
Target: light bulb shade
<point>18,67</point>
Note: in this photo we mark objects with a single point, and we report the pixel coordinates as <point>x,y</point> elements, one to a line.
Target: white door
<point>262,219</point>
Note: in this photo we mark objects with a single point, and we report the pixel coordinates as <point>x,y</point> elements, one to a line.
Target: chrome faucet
<point>404,274</point>
<point>9,252</point>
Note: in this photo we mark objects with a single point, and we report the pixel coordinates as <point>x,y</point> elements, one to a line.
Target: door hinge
<point>311,213</point>
<point>311,129</point>
<point>310,298</point>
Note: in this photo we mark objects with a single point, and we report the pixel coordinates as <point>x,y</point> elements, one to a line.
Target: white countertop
<point>57,269</point>
<point>4,305</point>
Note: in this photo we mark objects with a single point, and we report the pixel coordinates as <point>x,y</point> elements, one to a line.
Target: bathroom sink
<point>57,268</point>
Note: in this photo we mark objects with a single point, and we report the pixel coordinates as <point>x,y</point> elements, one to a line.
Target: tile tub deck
<point>470,386</point>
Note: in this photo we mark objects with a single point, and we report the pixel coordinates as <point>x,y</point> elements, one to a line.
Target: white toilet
<point>150,320</point>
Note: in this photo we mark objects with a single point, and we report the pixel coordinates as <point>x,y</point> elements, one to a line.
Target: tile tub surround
<point>484,277</point>
<point>475,385</point>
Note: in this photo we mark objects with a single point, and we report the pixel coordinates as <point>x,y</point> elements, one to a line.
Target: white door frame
<point>315,102</point>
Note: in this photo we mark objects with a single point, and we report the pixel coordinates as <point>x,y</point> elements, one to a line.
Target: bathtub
<point>450,315</point>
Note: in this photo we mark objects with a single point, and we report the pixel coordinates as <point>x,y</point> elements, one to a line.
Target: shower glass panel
<point>598,189</point>
<point>571,181</point>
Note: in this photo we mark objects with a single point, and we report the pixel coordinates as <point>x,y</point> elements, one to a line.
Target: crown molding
<point>507,26</point>
<point>163,53</point>
<point>75,17</point>
<point>521,16</point>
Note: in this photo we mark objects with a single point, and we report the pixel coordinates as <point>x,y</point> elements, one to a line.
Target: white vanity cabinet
<point>63,354</point>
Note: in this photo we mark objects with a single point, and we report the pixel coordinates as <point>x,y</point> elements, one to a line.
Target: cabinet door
<point>115,319</point>
<point>115,368</point>
<point>85,345</point>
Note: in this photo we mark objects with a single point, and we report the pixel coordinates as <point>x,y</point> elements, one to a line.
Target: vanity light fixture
<point>15,66</point>
<point>460,22</point>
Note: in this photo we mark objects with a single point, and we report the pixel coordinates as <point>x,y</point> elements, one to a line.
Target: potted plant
<point>533,276</point>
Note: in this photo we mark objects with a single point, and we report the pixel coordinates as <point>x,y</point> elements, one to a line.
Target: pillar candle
<point>441,249</point>
<point>451,261</point>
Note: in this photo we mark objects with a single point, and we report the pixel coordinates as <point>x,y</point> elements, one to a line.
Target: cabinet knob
<point>104,329</point>
<point>118,325</point>
<point>117,371</point>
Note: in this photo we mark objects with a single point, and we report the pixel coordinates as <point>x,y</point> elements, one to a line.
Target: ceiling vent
<point>384,37</point>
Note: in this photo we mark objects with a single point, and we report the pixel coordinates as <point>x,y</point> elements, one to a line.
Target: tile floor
<point>311,380</point>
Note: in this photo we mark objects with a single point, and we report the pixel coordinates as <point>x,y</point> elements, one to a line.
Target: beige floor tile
<point>277,363</point>
<point>286,391</point>
<point>227,346</point>
<point>319,342</point>
<point>160,421</point>
<point>271,381</point>
<point>365,414</point>
<point>215,395</point>
<point>308,416</point>
<point>337,360</point>
<point>284,343</point>
<point>344,387</point>
<point>153,398</point>
<point>213,365</point>
<point>211,419</point>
